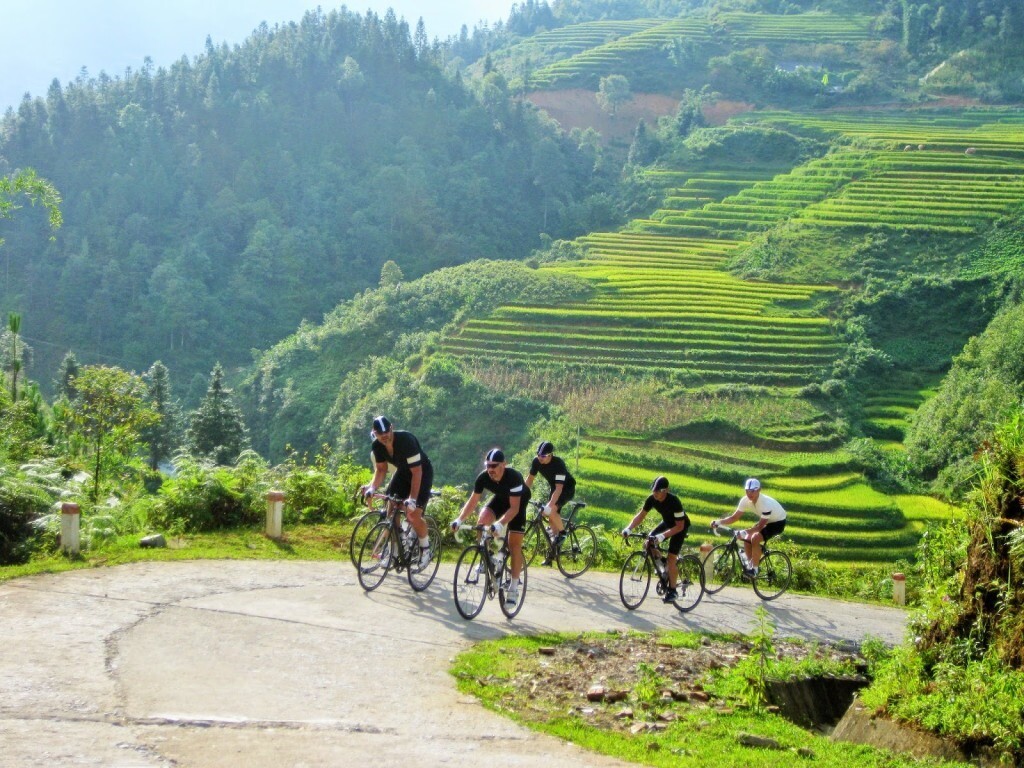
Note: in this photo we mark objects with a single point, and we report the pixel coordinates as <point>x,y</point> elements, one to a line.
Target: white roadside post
<point>709,567</point>
<point>899,588</point>
<point>69,528</point>
<point>275,507</point>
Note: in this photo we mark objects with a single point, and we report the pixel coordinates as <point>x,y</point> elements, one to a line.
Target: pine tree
<point>216,429</point>
<point>162,437</point>
<point>64,383</point>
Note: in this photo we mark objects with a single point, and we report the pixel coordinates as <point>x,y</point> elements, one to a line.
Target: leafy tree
<point>391,274</point>
<point>983,388</point>
<point>612,93</point>
<point>216,428</point>
<point>109,413</point>
<point>162,435</point>
<point>26,183</point>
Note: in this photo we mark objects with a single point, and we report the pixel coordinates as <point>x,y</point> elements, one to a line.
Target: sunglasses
<point>491,464</point>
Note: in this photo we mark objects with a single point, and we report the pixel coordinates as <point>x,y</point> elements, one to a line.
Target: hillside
<point>213,205</point>
<point>792,281</point>
<point>769,274</point>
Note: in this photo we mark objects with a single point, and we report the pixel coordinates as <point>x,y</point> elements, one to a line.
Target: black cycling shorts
<point>499,506</point>
<point>773,529</point>
<point>676,542</point>
<point>401,483</point>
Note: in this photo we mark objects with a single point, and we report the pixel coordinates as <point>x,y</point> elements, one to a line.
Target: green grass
<point>497,673</point>
<point>300,542</point>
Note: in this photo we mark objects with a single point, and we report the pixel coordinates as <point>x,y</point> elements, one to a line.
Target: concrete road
<point>228,663</point>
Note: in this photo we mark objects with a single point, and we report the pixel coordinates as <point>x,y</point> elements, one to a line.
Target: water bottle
<point>497,558</point>
<point>408,534</point>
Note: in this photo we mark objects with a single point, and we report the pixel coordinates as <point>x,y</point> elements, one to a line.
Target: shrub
<point>204,497</point>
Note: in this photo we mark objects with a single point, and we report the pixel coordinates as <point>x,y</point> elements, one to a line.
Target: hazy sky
<point>44,39</point>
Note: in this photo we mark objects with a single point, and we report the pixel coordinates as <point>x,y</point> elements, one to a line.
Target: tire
<point>376,556</point>
<point>725,568</point>
<point>421,578</point>
<point>511,611</point>
<point>577,551</point>
<point>690,584</point>
<point>774,574</point>
<point>635,580</point>
<point>535,543</point>
<point>470,587</point>
<point>365,522</point>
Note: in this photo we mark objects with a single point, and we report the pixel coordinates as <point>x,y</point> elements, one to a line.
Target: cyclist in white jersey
<point>771,522</point>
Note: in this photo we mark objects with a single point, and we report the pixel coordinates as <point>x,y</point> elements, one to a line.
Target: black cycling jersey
<point>556,472</point>
<point>510,486</point>
<point>670,508</point>
<point>406,453</point>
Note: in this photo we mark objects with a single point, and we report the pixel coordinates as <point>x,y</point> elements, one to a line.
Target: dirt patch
<point>620,680</point>
<point>578,108</point>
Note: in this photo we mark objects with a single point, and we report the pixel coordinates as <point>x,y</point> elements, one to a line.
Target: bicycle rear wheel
<point>376,556</point>
<point>470,585</point>
<point>577,551</point>
<point>535,543</point>
<point>774,573</point>
<point>504,577</point>
<point>365,522</point>
<point>421,576</point>
<point>725,568</point>
<point>690,584</point>
<point>635,580</point>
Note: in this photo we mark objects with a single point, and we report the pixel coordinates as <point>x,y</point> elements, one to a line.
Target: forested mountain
<point>213,204</point>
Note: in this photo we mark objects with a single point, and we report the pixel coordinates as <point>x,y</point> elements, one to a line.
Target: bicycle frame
<point>476,561</point>
<point>634,579</point>
<point>772,579</point>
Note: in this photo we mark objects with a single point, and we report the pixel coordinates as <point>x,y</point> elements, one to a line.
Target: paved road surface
<point>226,663</point>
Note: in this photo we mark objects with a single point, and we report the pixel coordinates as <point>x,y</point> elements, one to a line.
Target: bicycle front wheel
<point>690,584</point>
<point>635,580</point>
<point>774,574</point>
<point>365,522</point>
<point>376,556</point>
<point>470,585</point>
<point>421,574</point>
<point>577,551</point>
<point>725,568</point>
<point>511,609</point>
<point>535,543</point>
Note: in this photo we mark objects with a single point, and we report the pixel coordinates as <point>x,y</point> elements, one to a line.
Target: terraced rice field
<point>663,304</point>
<point>592,59</point>
<point>833,512</point>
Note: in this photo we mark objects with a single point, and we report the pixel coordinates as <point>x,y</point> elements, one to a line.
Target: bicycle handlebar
<point>724,530</point>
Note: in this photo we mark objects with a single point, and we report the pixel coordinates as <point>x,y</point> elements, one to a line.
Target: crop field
<point>592,57</point>
<point>663,305</point>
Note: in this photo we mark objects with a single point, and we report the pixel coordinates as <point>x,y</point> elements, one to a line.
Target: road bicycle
<point>774,573</point>
<point>483,570</point>
<point>652,560</point>
<point>369,519</point>
<point>576,551</point>
<point>392,544</point>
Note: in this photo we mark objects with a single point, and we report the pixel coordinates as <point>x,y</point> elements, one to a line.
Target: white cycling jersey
<point>767,508</point>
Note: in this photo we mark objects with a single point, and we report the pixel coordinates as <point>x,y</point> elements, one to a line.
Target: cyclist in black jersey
<point>505,513</point>
<point>562,485</point>
<point>673,526</point>
<point>413,476</point>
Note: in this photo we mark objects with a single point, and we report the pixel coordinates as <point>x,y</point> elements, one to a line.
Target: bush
<point>205,497</point>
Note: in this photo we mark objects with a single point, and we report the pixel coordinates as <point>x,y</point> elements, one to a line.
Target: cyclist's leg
<point>516,527</point>
<point>555,518</point>
<point>754,549</point>
<point>675,545</point>
<point>767,533</point>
